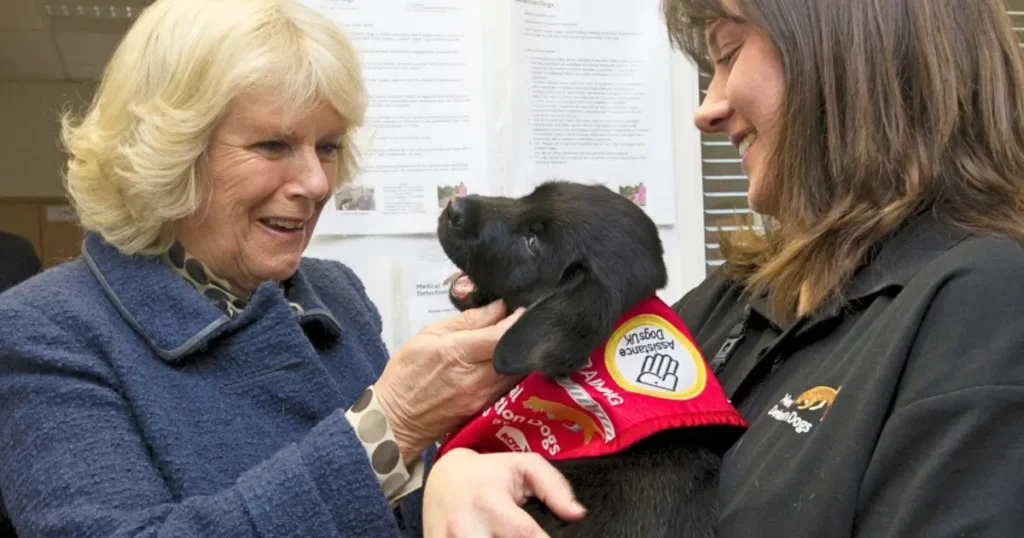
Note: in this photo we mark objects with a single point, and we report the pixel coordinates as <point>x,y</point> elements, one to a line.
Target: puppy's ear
<point>557,333</point>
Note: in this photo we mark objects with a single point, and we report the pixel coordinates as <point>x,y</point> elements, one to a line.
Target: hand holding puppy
<point>477,495</point>
<point>443,375</point>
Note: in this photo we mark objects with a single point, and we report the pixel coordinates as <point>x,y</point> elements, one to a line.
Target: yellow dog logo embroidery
<point>817,398</point>
<point>575,418</point>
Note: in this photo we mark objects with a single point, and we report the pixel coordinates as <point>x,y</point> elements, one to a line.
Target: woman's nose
<point>714,109</point>
<point>313,177</point>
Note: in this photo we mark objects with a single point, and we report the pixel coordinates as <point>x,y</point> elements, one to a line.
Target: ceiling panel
<point>52,40</point>
<point>21,15</point>
<point>85,54</point>
<point>29,55</point>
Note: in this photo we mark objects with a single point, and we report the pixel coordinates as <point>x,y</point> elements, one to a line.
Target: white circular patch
<point>648,355</point>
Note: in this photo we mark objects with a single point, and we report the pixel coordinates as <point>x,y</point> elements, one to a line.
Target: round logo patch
<point>648,355</point>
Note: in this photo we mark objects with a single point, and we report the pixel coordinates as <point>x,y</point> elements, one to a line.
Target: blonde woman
<point>191,374</point>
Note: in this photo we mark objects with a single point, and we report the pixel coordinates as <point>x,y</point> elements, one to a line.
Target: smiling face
<point>744,100</point>
<point>269,176</point>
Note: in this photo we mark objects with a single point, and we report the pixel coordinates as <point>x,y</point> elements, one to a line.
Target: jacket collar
<point>175,319</point>
<point>890,267</point>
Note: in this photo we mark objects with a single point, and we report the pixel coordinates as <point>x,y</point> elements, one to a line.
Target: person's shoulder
<point>978,280</point>
<point>339,286</point>
<point>967,311</point>
<point>52,310</point>
<point>326,268</point>
<point>10,238</point>
<point>984,252</point>
<point>18,260</point>
<point>12,241</point>
<point>59,288</point>
<point>331,275</point>
<point>714,296</point>
<point>978,262</point>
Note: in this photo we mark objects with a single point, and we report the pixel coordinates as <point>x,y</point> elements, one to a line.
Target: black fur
<point>578,257</point>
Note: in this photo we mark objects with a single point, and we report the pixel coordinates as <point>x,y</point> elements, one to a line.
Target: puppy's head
<point>577,256</point>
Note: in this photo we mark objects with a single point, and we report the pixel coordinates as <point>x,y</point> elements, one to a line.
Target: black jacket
<point>899,415</point>
<point>18,260</point>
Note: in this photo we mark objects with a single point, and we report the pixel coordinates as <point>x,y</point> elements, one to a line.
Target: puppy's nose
<point>457,212</point>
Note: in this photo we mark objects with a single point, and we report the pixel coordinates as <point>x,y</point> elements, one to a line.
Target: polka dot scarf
<point>228,299</point>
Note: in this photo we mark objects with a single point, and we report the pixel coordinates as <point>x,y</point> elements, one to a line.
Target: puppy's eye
<point>531,243</point>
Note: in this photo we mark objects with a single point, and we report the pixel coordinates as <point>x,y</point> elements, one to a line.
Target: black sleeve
<point>705,304</point>
<point>950,459</point>
<point>18,260</point>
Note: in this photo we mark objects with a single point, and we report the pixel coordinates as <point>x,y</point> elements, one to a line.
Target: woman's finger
<point>474,318</point>
<point>478,345</point>
<point>542,480</point>
<point>509,520</point>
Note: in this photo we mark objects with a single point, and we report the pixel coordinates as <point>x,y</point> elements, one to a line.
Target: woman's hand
<point>442,376</point>
<point>479,495</point>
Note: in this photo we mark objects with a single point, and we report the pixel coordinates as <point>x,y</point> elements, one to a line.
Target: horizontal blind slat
<point>725,188</point>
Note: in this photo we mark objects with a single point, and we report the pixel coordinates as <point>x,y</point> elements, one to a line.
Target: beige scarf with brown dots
<point>227,298</point>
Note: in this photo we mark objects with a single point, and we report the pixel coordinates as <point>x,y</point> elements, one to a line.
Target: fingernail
<point>579,507</point>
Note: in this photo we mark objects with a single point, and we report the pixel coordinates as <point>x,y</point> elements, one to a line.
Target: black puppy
<point>579,257</point>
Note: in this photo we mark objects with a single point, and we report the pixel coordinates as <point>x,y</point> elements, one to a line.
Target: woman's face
<point>744,99</point>
<point>269,177</point>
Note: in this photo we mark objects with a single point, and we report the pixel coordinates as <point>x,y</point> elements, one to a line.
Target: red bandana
<point>648,377</point>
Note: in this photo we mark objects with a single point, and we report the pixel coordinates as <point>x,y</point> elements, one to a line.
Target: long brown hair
<point>891,108</point>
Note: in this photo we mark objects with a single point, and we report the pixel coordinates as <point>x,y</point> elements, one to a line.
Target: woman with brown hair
<point>874,334</point>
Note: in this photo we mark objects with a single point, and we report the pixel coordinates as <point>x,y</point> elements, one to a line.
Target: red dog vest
<point>647,377</point>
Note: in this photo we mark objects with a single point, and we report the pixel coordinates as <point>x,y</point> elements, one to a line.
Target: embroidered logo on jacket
<point>814,399</point>
<point>647,377</point>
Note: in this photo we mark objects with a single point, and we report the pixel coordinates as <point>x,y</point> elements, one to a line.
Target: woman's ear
<point>557,333</point>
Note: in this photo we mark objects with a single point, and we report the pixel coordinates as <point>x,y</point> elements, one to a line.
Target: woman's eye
<point>726,59</point>
<point>272,146</point>
<point>329,149</point>
<point>531,243</point>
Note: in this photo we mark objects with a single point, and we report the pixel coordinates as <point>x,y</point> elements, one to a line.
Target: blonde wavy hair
<point>135,156</point>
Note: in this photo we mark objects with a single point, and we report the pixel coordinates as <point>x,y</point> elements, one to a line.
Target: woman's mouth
<point>744,144</point>
<point>283,225</point>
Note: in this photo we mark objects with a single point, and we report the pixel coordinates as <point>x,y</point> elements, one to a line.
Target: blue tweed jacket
<point>130,405</point>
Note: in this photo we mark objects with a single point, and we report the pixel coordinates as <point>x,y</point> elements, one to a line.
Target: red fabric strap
<point>647,377</point>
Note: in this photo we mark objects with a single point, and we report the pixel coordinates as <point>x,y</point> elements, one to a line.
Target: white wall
<point>375,259</point>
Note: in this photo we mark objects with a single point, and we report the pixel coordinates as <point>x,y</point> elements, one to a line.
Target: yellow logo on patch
<point>648,355</point>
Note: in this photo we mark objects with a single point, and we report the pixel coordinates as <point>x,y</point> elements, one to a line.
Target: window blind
<point>1016,10</point>
<point>724,188</point>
